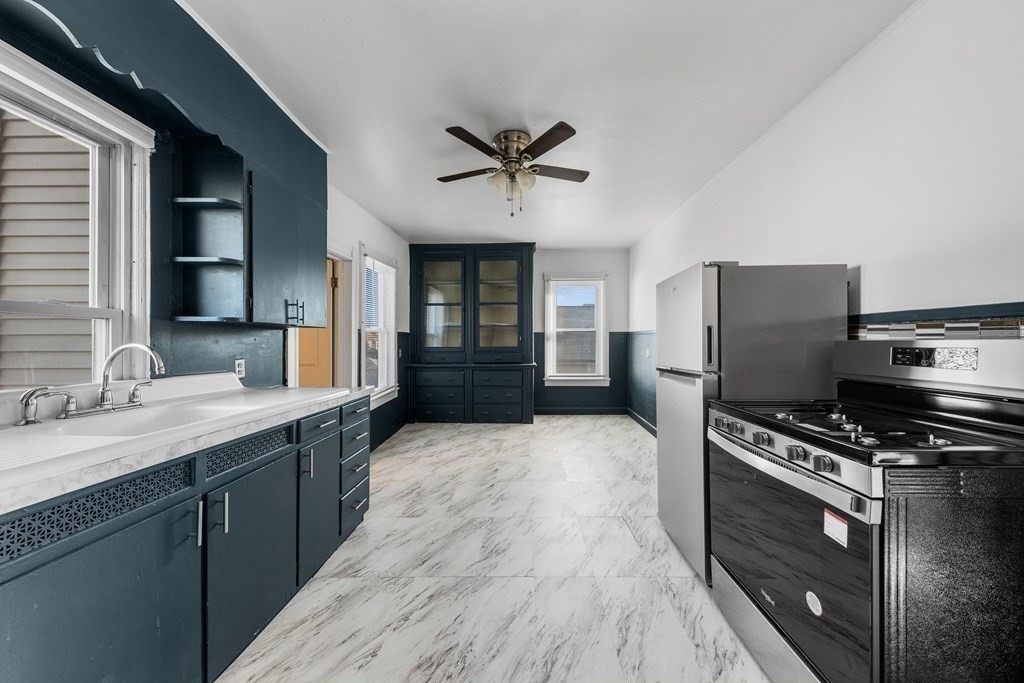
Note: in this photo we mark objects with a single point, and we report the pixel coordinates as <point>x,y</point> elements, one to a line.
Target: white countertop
<point>180,415</point>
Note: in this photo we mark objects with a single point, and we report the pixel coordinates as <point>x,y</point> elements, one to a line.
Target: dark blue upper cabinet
<point>501,299</point>
<point>472,303</point>
<point>289,255</point>
<point>439,290</point>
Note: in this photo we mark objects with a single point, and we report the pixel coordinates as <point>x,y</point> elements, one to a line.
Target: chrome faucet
<point>30,405</point>
<point>106,399</point>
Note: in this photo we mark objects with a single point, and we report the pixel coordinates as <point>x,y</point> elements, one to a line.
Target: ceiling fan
<point>515,152</point>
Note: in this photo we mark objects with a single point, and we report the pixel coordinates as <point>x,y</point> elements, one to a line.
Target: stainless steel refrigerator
<point>727,331</point>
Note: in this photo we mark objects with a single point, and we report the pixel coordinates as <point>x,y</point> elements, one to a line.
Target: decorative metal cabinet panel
<point>472,310</point>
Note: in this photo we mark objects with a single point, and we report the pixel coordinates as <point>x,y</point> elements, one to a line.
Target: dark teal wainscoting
<point>610,400</point>
<point>642,375</point>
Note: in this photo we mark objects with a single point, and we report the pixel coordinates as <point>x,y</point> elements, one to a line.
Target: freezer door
<point>778,328</point>
<point>687,320</point>
<point>682,463</point>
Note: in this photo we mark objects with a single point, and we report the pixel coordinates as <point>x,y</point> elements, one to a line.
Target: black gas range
<point>877,536</point>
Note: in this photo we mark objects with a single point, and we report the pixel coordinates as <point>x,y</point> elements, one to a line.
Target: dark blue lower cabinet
<point>127,607</point>
<point>251,527</point>
<point>319,483</point>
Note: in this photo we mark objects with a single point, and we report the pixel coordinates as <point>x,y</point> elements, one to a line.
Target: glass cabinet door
<point>442,305</point>
<point>498,303</point>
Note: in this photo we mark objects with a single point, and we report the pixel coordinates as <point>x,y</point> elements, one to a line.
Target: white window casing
<point>575,337</point>
<point>56,111</point>
<point>378,333</point>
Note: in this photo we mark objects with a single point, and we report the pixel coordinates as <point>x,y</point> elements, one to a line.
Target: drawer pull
<point>360,504</point>
<point>451,379</point>
<point>360,436</point>
<point>361,467</point>
<point>326,424</point>
<point>363,409</point>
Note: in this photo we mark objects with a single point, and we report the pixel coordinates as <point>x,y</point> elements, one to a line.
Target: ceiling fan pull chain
<point>508,191</point>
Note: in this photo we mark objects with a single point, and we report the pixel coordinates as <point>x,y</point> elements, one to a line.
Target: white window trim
<point>600,377</point>
<point>123,146</point>
<point>380,395</point>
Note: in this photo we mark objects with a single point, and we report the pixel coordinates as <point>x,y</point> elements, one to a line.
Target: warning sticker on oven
<point>835,527</point>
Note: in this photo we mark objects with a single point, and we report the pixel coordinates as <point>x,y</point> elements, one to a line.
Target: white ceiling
<point>663,94</point>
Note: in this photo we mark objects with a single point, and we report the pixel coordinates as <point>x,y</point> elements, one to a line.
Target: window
<point>380,356</point>
<point>575,338</point>
<point>73,229</point>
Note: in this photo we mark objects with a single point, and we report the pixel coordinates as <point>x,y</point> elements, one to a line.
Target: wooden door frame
<point>343,368</point>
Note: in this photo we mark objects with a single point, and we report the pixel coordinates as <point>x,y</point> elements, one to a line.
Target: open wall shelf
<point>211,237</point>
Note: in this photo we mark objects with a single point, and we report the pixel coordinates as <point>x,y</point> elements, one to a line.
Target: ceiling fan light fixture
<point>512,185</point>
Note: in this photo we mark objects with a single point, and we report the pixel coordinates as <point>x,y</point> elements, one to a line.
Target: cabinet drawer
<point>440,378</point>
<point>354,505</point>
<point>498,378</point>
<point>442,357</point>
<point>498,413</point>
<point>321,423</point>
<point>491,357</point>
<point>354,438</point>
<point>498,394</point>
<point>439,395</point>
<point>440,413</point>
<point>354,469</point>
<point>355,411</point>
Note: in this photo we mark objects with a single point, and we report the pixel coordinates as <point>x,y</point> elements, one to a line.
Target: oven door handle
<point>865,509</point>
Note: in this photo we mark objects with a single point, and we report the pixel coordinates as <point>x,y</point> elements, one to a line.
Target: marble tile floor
<point>505,553</point>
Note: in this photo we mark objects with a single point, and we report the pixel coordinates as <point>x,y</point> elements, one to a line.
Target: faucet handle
<point>32,394</point>
<point>134,395</point>
<point>68,407</point>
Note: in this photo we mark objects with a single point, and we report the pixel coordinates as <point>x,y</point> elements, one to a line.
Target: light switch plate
<point>240,368</point>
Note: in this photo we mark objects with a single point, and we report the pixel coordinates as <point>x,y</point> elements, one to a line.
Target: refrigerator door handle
<point>711,346</point>
<point>681,372</point>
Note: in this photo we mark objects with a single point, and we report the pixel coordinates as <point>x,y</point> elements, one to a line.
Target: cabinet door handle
<point>310,463</point>
<point>360,504</point>
<point>363,409</point>
<point>199,525</point>
<point>361,436</point>
<point>226,521</point>
<point>326,424</point>
<point>361,467</point>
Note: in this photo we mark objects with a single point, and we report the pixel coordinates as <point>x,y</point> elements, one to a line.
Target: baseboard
<point>579,411</point>
<point>643,423</point>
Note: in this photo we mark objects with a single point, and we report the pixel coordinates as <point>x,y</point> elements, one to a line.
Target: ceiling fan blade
<point>468,174</point>
<point>572,174</point>
<point>556,135</point>
<point>472,140</point>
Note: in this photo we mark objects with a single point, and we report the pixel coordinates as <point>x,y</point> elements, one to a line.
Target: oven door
<point>790,540</point>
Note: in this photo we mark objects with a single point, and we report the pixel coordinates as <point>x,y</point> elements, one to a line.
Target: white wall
<point>908,165</point>
<point>585,263</point>
<point>348,224</point>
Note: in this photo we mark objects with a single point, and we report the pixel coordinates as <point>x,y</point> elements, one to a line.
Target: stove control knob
<point>721,422</point>
<point>735,427</point>
<point>762,439</point>
<point>794,452</point>
<point>822,463</point>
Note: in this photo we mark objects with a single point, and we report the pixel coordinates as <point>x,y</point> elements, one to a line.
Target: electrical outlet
<point>647,353</point>
<point>240,368</point>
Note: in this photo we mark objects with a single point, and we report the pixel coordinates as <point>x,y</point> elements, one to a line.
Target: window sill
<point>579,381</point>
<point>381,397</point>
